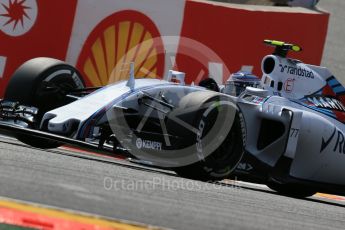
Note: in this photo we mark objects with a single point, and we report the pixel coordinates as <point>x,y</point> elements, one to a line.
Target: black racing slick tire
<point>292,190</point>
<point>225,158</point>
<point>42,83</point>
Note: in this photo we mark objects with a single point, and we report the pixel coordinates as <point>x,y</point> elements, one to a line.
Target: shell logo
<point>124,37</point>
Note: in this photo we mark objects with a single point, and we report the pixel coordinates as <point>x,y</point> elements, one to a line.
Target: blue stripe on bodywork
<point>333,82</point>
<point>324,111</point>
<point>336,86</point>
<point>339,89</point>
<point>320,110</point>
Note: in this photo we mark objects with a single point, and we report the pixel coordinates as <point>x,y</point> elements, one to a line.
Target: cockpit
<point>238,82</point>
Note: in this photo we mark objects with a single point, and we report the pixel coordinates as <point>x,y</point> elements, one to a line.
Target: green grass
<point>13,227</point>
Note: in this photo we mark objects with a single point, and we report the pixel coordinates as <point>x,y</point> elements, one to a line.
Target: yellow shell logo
<point>122,38</point>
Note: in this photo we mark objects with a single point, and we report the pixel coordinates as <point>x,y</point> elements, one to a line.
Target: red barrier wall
<point>48,37</point>
<point>236,35</point>
<point>207,38</point>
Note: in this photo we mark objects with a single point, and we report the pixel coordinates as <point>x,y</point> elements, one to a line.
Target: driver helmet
<point>238,82</point>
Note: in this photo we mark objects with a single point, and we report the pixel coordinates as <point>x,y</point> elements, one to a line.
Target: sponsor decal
<point>254,99</point>
<point>289,85</point>
<point>121,38</point>
<point>17,17</point>
<point>199,137</point>
<point>244,167</point>
<point>326,103</point>
<point>294,133</point>
<point>243,128</point>
<point>77,81</point>
<point>297,71</point>
<point>148,144</point>
<point>258,100</point>
<point>31,28</point>
<point>325,142</point>
<point>339,144</point>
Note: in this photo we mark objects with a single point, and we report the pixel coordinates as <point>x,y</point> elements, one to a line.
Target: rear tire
<point>44,84</point>
<point>221,163</point>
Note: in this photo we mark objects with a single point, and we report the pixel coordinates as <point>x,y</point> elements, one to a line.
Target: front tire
<point>44,84</point>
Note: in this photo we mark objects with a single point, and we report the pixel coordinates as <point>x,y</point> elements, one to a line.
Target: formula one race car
<point>288,134</point>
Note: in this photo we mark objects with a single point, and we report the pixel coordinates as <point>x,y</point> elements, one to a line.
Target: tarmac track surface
<point>118,189</point>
